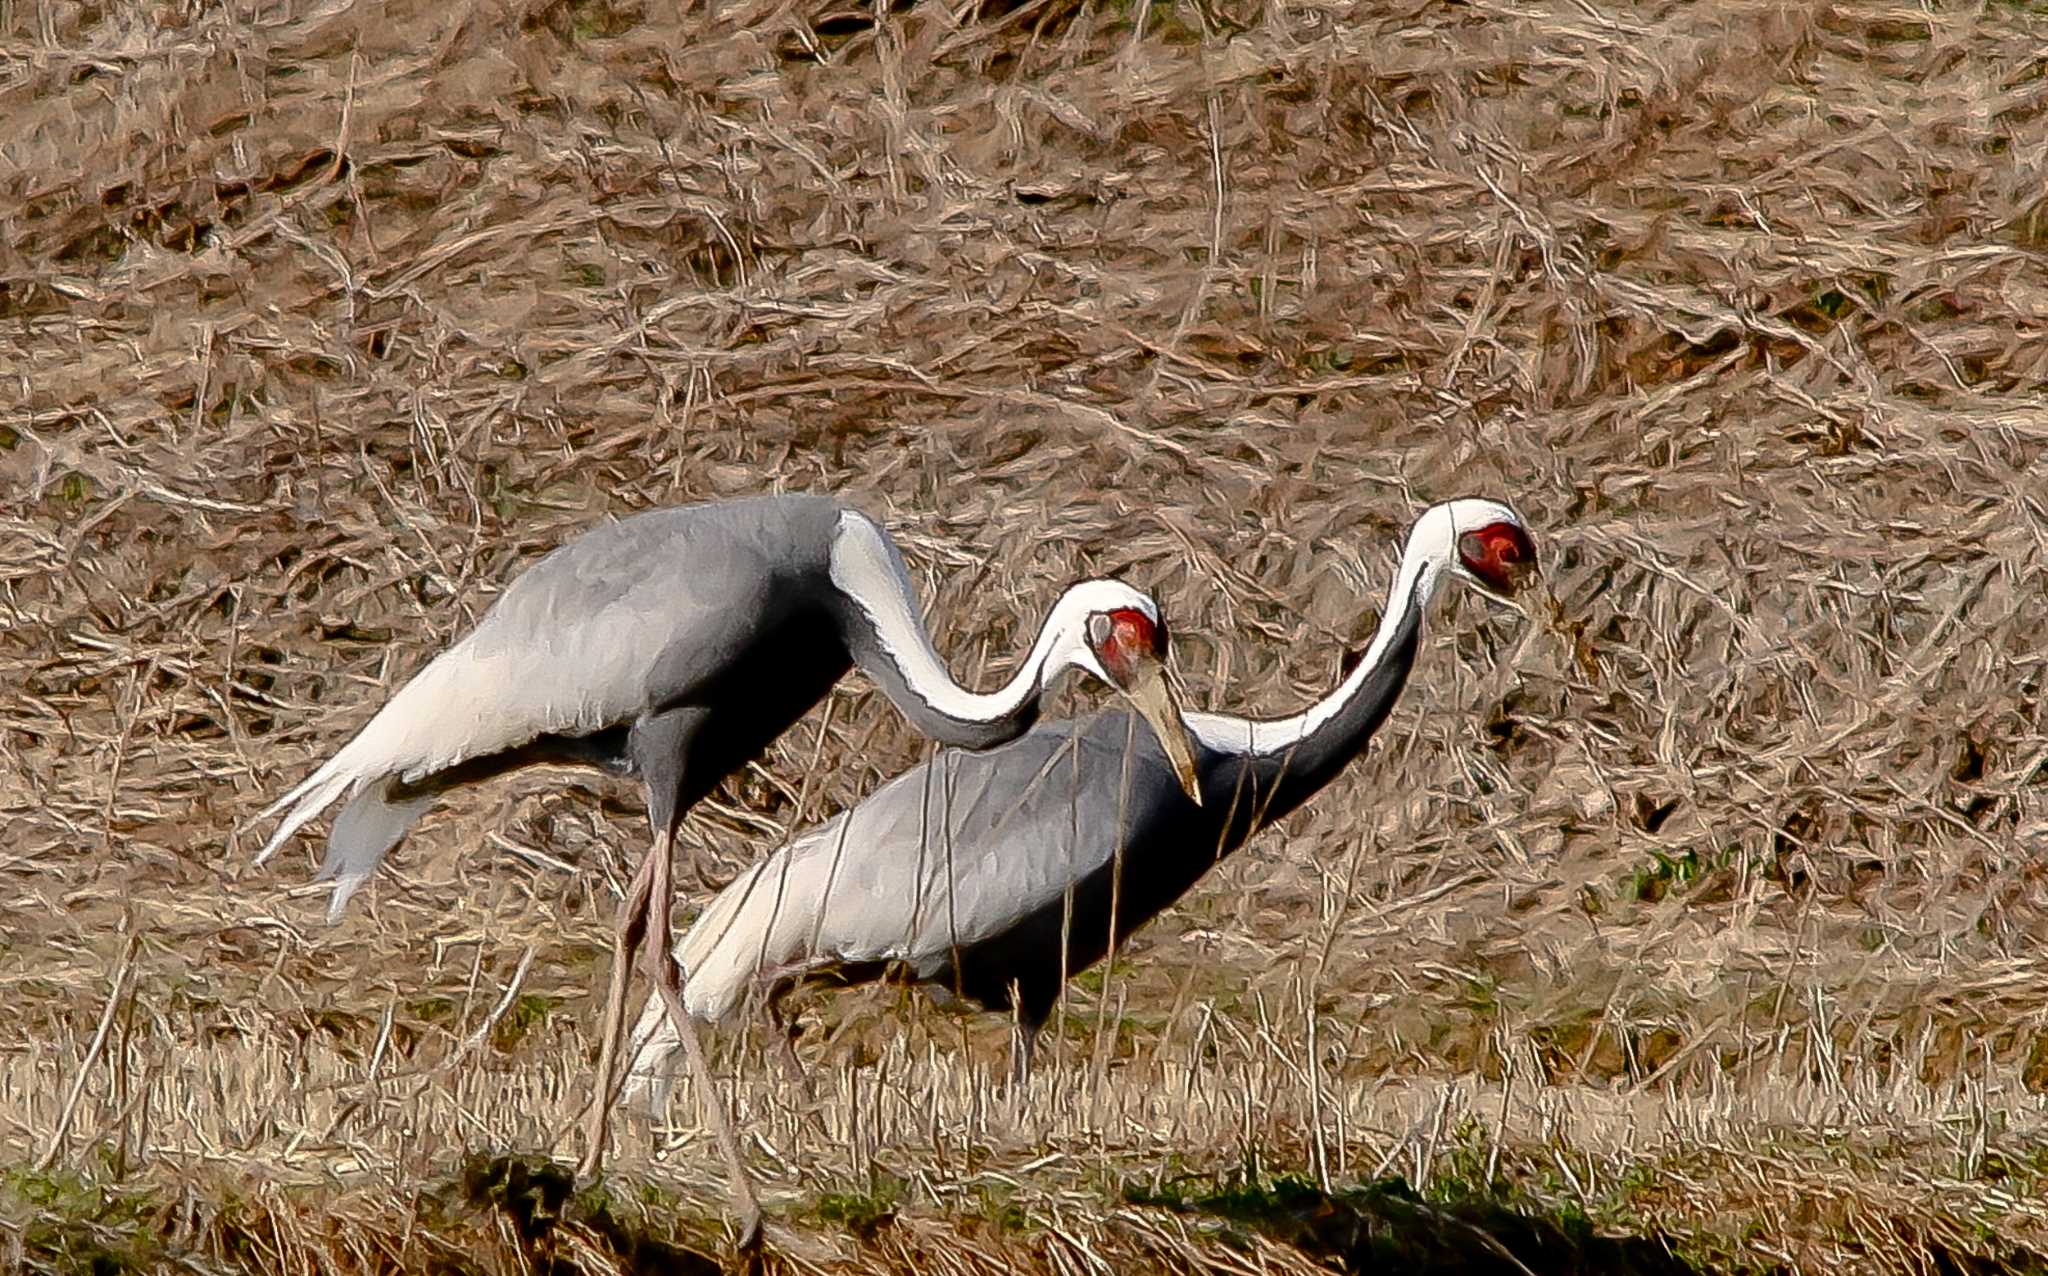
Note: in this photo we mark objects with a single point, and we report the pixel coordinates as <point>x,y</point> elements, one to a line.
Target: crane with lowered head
<point>991,877</point>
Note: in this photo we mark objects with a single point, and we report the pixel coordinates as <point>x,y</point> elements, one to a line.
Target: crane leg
<point>661,968</point>
<point>1025,1030</point>
<point>626,946</point>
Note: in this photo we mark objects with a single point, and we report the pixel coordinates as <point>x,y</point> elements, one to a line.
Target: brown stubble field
<point>1704,900</point>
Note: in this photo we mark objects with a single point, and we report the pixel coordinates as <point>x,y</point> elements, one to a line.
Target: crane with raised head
<point>674,646</point>
<point>989,878</point>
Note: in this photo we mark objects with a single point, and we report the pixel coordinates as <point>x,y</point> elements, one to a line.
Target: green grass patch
<point>862,1213</point>
<point>68,1224</point>
<point>520,1019</point>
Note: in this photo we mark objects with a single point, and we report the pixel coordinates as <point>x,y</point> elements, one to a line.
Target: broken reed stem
<point>92,1053</point>
<point>483,1030</point>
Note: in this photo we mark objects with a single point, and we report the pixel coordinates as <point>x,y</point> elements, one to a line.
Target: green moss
<point>997,1204</point>
<point>603,21</point>
<point>431,1009</point>
<point>71,495</point>
<point>1833,303</point>
<point>521,1018</point>
<point>862,1213</point>
<point>68,1224</point>
<point>592,1198</point>
<point>1460,1166</point>
<point>1665,872</point>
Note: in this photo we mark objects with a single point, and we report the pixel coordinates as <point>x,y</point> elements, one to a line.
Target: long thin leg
<point>626,945</point>
<point>661,968</point>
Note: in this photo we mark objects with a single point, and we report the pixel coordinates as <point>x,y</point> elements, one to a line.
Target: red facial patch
<point>1500,554</point>
<point>1133,630</point>
<point>1131,634</point>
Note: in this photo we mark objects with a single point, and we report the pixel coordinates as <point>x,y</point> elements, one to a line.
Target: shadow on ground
<point>548,1216</point>
<point>1385,1226</point>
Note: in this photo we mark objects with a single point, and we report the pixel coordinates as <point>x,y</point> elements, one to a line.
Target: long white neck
<point>887,638</point>
<point>1424,563</point>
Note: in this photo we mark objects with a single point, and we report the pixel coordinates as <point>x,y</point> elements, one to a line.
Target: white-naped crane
<point>990,878</point>
<point>675,645</point>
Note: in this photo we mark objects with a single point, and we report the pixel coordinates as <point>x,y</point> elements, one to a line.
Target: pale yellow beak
<point>1153,698</point>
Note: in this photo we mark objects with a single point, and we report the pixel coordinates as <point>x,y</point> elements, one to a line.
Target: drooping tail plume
<point>435,721</point>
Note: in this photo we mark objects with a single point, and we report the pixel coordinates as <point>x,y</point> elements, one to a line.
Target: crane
<point>989,878</point>
<point>673,646</point>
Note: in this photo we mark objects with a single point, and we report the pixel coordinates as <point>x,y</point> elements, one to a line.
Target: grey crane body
<point>994,876</point>
<point>1168,845</point>
<point>768,643</point>
<point>674,646</point>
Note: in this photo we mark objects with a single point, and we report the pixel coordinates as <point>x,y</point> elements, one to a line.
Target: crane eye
<point>1098,629</point>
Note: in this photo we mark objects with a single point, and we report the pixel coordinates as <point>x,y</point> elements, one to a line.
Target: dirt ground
<point>1704,901</point>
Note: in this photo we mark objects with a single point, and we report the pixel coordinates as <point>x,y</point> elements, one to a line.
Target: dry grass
<point>1708,900</point>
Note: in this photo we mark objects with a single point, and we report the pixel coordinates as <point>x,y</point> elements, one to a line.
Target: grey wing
<point>1022,825</point>
<point>947,854</point>
<point>628,617</point>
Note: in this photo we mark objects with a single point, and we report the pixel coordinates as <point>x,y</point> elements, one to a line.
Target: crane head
<point>1123,640</point>
<point>1493,549</point>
